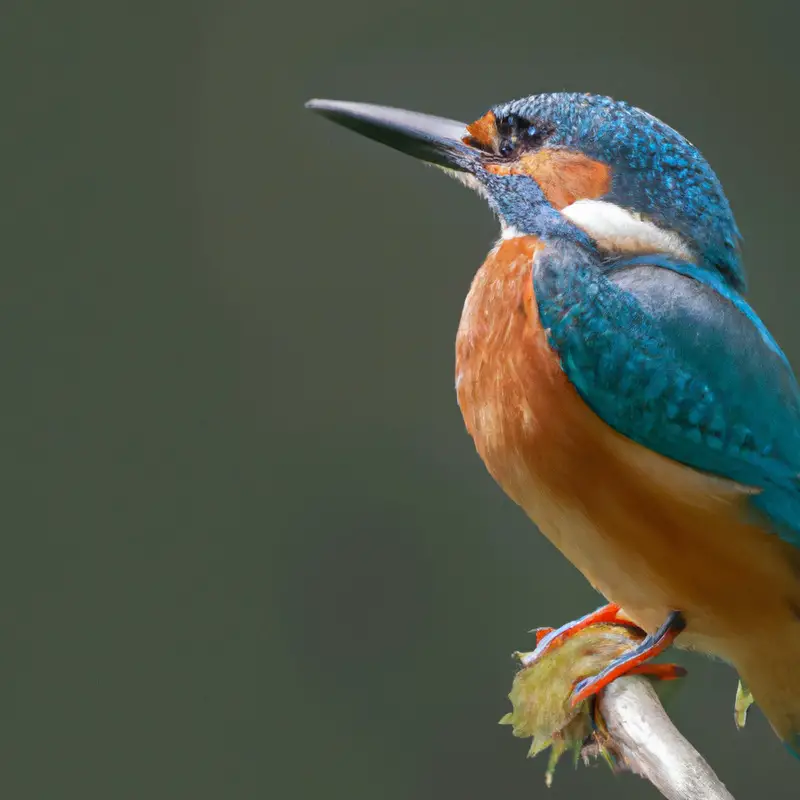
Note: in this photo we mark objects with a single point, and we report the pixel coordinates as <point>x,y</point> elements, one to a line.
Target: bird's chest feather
<point>649,533</point>
<point>529,425</point>
<point>508,380</point>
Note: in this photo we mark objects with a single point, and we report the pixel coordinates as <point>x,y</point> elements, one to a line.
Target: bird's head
<point>582,167</point>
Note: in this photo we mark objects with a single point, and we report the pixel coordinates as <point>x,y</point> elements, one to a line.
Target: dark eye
<point>517,133</point>
<point>509,121</point>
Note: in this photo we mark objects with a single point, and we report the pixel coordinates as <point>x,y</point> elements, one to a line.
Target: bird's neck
<point>597,226</point>
<point>524,211</point>
<point>619,232</point>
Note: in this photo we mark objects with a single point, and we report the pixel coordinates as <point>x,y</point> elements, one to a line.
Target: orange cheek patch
<point>563,175</point>
<point>483,132</point>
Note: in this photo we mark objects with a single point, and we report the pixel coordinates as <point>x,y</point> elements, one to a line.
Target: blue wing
<point>670,357</point>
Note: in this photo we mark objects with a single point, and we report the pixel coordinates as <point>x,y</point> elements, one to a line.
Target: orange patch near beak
<point>483,132</point>
<point>563,175</point>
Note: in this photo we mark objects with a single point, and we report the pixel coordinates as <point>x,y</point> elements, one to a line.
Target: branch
<point>648,744</point>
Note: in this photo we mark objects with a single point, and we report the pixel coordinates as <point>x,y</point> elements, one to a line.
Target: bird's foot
<point>542,690</point>
<point>548,639</point>
<point>634,661</point>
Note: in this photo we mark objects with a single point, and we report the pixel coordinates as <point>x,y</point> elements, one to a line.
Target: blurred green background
<point>249,550</point>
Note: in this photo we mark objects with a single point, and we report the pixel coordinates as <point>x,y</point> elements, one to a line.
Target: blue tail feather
<point>793,745</point>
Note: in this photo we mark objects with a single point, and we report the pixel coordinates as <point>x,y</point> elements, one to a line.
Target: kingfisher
<point>617,384</point>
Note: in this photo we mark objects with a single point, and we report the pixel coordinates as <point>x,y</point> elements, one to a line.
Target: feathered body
<point>616,382</point>
<point>647,532</point>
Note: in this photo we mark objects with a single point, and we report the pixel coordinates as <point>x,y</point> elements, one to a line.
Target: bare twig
<point>645,740</point>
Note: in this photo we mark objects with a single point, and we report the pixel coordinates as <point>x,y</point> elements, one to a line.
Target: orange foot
<point>549,638</point>
<point>633,662</point>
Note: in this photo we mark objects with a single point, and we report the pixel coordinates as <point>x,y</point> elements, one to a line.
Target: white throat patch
<point>621,231</point>
<point>470,181</point>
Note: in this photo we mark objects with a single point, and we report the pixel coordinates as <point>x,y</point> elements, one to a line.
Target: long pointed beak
<point>432,139</point>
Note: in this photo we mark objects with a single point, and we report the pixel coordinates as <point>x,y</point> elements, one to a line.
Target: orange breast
<point>508,381</point>
<point>649,533</point>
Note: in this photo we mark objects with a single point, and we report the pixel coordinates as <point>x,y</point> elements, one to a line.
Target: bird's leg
<point>634,661</point>
<point>549,638</point>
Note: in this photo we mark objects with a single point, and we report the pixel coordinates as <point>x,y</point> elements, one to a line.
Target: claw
<point>541,633</point>
<point>632,661</point>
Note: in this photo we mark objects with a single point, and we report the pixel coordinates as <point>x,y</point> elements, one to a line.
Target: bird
<point>617,384</point>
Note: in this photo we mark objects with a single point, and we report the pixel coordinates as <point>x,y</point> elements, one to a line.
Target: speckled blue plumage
<point>655,170</point>
<point>521,204</point>
<point>671,357</point>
